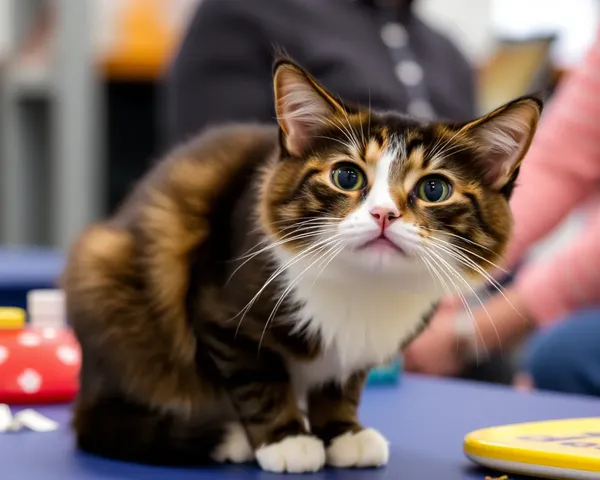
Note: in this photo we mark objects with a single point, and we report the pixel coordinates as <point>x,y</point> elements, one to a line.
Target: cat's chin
<point>382,245</point>
<point>380,258</point>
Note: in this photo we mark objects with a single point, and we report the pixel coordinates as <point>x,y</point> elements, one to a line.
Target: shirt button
<point>394,35</point>
<point>409,73</point>
<point>420,109</point>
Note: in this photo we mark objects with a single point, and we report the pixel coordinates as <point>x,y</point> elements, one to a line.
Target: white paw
<point>235,446</point>
<point>300,454</point>
<point>367,448</point>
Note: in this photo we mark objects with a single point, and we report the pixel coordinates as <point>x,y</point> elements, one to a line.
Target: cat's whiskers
<point>341,142</point>
<point>352,130</point>
<point>296,223</point>
<point>432,151</point>
<point>424,260</point>
<point>444,154</point>
<point>477,268</point>
<point>431,266</point>
<point>299,256</point>
<point>369,116</point>
<point>348,131</point>
<point>475,294</point>
<point>303,228</point>
<point>451,274</point>
<point>464,259</point>
<point>353,143</point>
<point>446,144</point>
<point>295,282</point>
<point>326,262</point>
<point>318,231</point>
<point>362,130</point>
<point>460,237</point>
<point>489,262</point>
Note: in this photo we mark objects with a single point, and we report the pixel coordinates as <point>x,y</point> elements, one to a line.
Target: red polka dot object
<point>37,365</point>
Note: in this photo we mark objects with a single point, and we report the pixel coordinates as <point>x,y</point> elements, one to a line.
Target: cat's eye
<point>434,189</point>
<point>348,177</point>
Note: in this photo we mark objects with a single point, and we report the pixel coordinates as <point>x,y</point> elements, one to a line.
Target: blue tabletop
<point>424,419</point>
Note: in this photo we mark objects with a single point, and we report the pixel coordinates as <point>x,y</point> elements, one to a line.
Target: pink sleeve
<point>569,281</point>
<point>562,167</point>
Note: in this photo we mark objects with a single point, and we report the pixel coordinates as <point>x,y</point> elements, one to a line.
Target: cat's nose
<point>385,216</point>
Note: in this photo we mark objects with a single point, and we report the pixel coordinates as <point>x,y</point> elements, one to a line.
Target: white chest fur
<point>360,321</point>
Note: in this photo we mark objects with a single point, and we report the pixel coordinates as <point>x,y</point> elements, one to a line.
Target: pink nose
<point>384,216</point>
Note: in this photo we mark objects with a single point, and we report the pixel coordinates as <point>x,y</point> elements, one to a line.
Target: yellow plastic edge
<point>475,447</point>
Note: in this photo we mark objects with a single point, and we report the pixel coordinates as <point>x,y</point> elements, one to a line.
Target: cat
<point>231,309</point>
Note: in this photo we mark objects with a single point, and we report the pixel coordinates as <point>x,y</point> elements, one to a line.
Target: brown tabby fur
<point>166,360</point>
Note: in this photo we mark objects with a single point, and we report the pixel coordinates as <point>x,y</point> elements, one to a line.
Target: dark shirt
<point>362,51</point>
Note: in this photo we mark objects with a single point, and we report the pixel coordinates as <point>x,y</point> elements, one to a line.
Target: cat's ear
<point>503,138</point>
<point>301,104</point>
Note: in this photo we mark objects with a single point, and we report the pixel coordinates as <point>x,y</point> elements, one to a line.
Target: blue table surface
<point>424,419</point>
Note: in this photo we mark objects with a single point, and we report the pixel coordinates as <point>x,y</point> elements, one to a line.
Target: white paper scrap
<point>6,418</point>
<point>35,421</point>
<point>28,418</point>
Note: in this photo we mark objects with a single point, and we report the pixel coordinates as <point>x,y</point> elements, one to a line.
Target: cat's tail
<point>125,348</point>
<point>121,430</point>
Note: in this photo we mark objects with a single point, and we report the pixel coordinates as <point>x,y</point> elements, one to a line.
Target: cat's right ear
<point>301,104</point>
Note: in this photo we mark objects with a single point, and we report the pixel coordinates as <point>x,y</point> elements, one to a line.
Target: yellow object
<point>11,318</point>
<point>562,449</point>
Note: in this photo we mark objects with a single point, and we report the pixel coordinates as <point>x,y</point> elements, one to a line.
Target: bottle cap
<point>12,318</point>
<point>46,308</point>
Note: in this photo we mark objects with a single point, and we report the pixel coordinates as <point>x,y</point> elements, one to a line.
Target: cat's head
<point>381,192</point>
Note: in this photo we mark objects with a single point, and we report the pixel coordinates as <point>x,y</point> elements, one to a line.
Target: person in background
<point>558,300</point>
<point>369,52</point>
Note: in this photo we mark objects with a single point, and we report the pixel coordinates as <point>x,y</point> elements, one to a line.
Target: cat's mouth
<point>382,243</point>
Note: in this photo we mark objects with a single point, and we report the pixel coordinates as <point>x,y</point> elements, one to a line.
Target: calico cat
<point>232,307</point>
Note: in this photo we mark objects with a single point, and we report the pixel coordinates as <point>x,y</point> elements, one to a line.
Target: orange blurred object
<point>144,41</point>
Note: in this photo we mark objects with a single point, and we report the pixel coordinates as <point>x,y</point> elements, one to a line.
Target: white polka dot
<point>29,339</point>
<point>420,109</point>
<point>30,381</point>
<point>49,333</point>
<point>409,73</point>
<point>3,354</point>
<point>394,35</point>
<point>68,355</point>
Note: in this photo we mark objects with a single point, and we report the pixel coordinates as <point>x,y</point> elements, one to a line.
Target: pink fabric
<point>560,172</point>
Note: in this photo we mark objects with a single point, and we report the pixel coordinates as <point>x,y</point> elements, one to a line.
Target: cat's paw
<point>299,454</point>
<point>367,448</point>
<point>235,446</point>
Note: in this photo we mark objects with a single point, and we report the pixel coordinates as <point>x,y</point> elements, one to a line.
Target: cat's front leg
<point>260,389</point>
<point>333,417</point>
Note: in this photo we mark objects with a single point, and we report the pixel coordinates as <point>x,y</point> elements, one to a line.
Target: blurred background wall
<point>80,91</point>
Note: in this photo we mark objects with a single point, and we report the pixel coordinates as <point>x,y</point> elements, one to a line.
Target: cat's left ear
<point>301,104</point>
<point>503,138</point>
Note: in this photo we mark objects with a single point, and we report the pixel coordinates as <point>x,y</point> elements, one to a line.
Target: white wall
<point>5,27</point>
<point>474,23</point>
<point>467,22</point>
<point>574,22</point>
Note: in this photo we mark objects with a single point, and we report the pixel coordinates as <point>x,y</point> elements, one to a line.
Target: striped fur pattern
<point>232,307</point>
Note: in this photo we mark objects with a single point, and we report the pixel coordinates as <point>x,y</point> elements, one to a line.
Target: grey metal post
<point>78,176</point>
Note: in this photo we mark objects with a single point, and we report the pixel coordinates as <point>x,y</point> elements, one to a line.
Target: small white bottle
<point>46,308</point>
